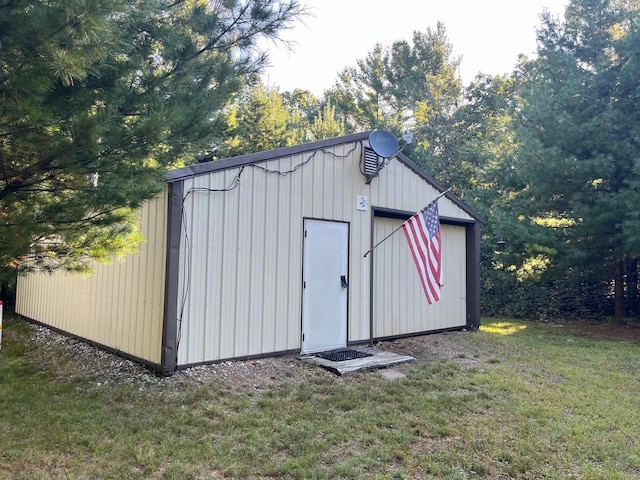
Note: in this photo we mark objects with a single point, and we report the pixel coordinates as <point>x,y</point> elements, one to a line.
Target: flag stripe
<point>417,244</point>
<point>423,236</point>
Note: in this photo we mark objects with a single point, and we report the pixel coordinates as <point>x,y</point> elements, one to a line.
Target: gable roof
<point>259,157</point>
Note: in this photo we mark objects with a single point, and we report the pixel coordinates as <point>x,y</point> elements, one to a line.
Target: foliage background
<point>548,155</point>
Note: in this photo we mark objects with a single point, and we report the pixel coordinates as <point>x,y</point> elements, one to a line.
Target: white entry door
<point>325,285</point>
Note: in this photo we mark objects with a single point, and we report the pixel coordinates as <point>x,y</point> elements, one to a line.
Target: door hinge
<point>304,284</point>
<point>303,337</point>
<point>305,234</point>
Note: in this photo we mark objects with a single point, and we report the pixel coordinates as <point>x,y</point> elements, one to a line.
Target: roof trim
<point>401,157</point>
<point>259,157</point>
<point>267,155</point>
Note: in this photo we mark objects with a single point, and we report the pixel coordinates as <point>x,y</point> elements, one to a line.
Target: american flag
<point>423,234</point>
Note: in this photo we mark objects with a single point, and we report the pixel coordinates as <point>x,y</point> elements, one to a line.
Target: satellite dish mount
<point>384,146</point>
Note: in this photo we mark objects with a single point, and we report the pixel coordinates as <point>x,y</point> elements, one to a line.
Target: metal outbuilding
<point>263,254</point>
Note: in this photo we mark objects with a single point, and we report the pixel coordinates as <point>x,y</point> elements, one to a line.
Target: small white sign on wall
<point>362,203</point>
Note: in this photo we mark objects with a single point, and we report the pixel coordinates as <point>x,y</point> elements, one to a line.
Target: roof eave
<point>259,157</point>
<point>440,187</point>
<point>252,158</point>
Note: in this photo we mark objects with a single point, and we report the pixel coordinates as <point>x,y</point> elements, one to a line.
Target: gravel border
<point>106,368</point>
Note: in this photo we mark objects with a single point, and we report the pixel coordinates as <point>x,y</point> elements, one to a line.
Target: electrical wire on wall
<point>186,277</point>
<point>235,183</point>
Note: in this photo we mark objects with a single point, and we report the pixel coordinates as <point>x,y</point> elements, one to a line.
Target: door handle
<point>343,281</point>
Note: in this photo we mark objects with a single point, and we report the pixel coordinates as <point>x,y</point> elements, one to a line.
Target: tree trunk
<point>632,287</point>
<point>618,292</point>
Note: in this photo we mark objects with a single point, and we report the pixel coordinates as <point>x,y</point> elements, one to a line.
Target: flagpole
<point>428,205</point>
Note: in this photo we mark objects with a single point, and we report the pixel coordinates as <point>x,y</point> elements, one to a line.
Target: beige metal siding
<point>400,305</point>
<point>121,306</point>
<point>240,275</point>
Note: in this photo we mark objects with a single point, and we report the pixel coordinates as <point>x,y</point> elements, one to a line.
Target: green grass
<point>516,400</point>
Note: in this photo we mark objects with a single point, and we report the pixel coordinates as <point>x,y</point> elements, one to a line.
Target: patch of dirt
<point>104,369</point>
<point>70,358</point>
<point>605,331</point>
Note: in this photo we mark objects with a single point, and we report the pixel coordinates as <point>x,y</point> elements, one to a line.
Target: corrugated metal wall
<point>400,306</point>
<point>121,306</point>
<point>240,276</point>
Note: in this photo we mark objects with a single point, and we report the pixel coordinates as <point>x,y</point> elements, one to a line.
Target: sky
<point>488,35</point>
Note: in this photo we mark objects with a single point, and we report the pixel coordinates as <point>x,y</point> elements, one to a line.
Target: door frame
<point>302,286</point>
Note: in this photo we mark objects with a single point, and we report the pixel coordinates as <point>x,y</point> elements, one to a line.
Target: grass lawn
<point>514,400</point>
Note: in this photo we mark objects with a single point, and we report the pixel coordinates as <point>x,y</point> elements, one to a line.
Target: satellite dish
<point>384,143</point>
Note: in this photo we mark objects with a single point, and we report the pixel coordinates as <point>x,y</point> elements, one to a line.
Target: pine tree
<point>578,173</point>
<point>405,87</point>
<point>258,121</point>
<point>262,118</point>
<point>98,98</point>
